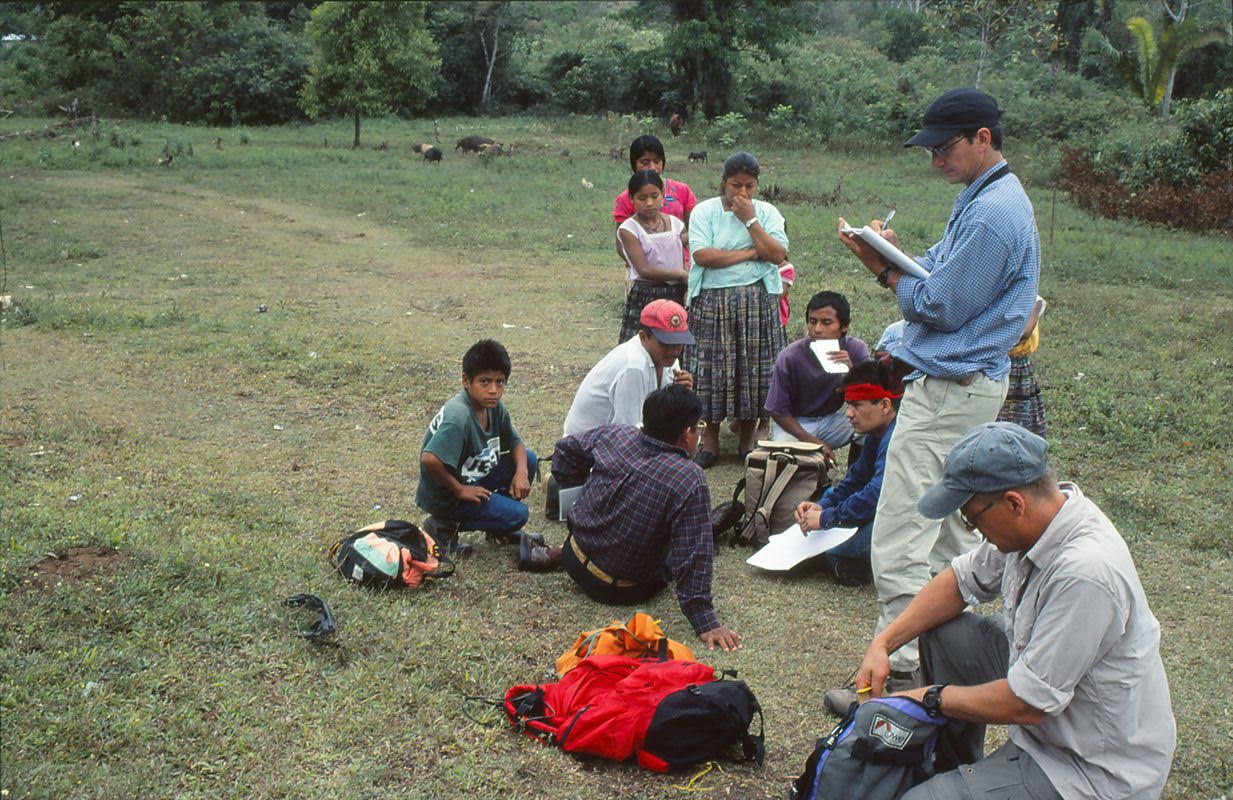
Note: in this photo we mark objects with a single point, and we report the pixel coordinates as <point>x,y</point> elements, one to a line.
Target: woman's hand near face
<point>743,208</point>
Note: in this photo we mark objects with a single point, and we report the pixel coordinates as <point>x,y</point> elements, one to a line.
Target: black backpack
<point>694,724</point>
<point>390,554</point>
<point>882,749</point>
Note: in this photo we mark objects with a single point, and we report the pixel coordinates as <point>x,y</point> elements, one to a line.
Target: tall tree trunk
<point>356,143</point>
<point>1167,100</point>
<point>491,57</point>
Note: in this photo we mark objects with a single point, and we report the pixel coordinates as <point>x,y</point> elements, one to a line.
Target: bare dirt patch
<point>75,565</point>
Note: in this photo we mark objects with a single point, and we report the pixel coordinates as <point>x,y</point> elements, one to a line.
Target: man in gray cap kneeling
<point>1072,663</point>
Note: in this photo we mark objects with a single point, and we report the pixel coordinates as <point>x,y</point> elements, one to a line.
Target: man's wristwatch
<point>884,276</point>
<point>932,701</point>
<point>751,222</point>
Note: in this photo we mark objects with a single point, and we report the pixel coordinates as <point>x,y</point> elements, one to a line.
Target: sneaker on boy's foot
<point>839,701</point>
<point>445,534</point>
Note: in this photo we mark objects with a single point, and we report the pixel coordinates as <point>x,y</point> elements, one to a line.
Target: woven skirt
<point>639,295</point>
<point>1024,405</point>
<point>739,336</point>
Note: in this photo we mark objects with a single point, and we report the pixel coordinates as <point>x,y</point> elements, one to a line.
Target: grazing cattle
<point>675,123</point>
<point>420,149</point>
<point>699,156</point>
<point>473,144</point>
<point>433,155</point>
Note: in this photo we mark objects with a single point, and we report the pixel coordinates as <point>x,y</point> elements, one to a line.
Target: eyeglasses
<point>970,522</point>
<point>941,150</point>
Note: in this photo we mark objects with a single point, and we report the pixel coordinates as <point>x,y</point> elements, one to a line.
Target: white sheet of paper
<point>566,499</point>
<point>820,348</point>
<point>785,550</point>
<point>902,261</point>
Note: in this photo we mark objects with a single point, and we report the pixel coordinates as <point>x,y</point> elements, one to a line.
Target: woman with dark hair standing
<point>647,152</point>
<point>650,242</point>
<point>733,297</point>
<point>677,200</point>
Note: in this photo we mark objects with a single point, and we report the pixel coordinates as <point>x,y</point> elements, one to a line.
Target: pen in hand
<point>889,216</point>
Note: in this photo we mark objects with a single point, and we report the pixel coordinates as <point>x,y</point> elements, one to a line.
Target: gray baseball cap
<point>989,458</point>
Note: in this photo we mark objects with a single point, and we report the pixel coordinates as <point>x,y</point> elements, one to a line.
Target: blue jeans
<point>500,513</point>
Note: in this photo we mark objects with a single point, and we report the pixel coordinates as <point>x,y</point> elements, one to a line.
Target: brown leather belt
<point>595,570</point>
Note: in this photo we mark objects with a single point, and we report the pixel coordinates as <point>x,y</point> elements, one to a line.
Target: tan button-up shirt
<point>1084,649</point>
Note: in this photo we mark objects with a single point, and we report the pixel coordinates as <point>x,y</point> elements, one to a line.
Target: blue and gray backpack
<point>882,749</point>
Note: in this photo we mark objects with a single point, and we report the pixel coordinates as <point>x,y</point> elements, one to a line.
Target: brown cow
<point>675,124</point>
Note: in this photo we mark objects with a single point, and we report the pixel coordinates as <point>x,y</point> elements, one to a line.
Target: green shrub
<point>1206,131</point>
<point>729,130</point>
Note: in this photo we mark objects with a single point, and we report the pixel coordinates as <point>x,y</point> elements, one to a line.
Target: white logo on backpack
<point>357,573</point>
<point>891,734</point>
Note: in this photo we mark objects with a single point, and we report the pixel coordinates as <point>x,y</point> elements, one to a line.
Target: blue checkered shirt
<point>644,502</point>
<point>983,278</point>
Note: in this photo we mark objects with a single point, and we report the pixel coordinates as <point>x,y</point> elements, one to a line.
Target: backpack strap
<point>773,485</point>
<point>754,747</point>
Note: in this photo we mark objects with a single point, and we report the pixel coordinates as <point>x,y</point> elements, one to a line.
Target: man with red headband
<point>872,398</point>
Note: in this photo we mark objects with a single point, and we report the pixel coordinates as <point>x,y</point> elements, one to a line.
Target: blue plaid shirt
<point>643,500</point>
<point>983,277</point>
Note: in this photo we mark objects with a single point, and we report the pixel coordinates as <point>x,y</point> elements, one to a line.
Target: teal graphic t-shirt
<point>470,452</point>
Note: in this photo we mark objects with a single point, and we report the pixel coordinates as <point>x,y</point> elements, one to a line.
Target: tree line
<point>273,62</point>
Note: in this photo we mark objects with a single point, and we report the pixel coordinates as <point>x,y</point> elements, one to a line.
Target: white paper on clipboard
<point>820,348</point>
<point>785,550</point>
<point>899,259</point>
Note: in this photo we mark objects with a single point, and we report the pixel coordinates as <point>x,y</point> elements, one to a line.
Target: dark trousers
<point>609,594</point>
<point>969,650</point>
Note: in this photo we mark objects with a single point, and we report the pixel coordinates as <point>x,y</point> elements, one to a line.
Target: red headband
<point>868,391</point>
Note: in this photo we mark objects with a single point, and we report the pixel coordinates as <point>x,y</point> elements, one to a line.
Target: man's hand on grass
<point>723,637</point>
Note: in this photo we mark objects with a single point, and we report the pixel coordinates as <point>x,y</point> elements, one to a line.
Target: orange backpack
<point>640,637</point>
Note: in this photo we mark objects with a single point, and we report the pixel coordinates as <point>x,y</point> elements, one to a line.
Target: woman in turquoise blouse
<point>733,297</point>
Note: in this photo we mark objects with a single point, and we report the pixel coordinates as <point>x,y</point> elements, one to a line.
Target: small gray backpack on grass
<point>881,750</point>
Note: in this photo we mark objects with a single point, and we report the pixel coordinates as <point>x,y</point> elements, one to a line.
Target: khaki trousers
<point>907,549</point>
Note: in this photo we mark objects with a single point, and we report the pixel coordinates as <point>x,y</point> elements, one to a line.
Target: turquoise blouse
<point>711,226</point>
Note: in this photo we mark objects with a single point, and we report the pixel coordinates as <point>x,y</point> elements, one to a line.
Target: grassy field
<point>149,406</point>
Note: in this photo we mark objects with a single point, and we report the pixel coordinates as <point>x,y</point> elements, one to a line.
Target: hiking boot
<point>536,556</point>
<point>552,499</point>
<point>839,701</point>
<point>445,534</point>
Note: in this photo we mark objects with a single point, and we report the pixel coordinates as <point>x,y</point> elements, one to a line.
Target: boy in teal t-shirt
<point>474,468</point>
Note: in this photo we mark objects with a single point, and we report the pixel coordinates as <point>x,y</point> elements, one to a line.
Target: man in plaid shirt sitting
<point>643,517</point>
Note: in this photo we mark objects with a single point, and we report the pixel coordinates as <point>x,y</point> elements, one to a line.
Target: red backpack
<point>666,713</point>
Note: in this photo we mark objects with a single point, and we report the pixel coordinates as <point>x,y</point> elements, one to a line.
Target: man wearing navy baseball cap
<point>960,322</point>
<point>1072,662</point>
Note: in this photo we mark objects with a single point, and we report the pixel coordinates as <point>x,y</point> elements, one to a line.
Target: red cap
<point>668,321</point>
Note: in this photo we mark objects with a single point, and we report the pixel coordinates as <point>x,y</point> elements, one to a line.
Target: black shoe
<point>851,572</point>
<point>705,459</point>
<point>534,555</point>
<point>552,499</point>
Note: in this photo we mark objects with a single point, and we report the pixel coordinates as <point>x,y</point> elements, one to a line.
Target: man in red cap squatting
<point>960,322</point>
<point>613,391</point>
<point>1072,663</point>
